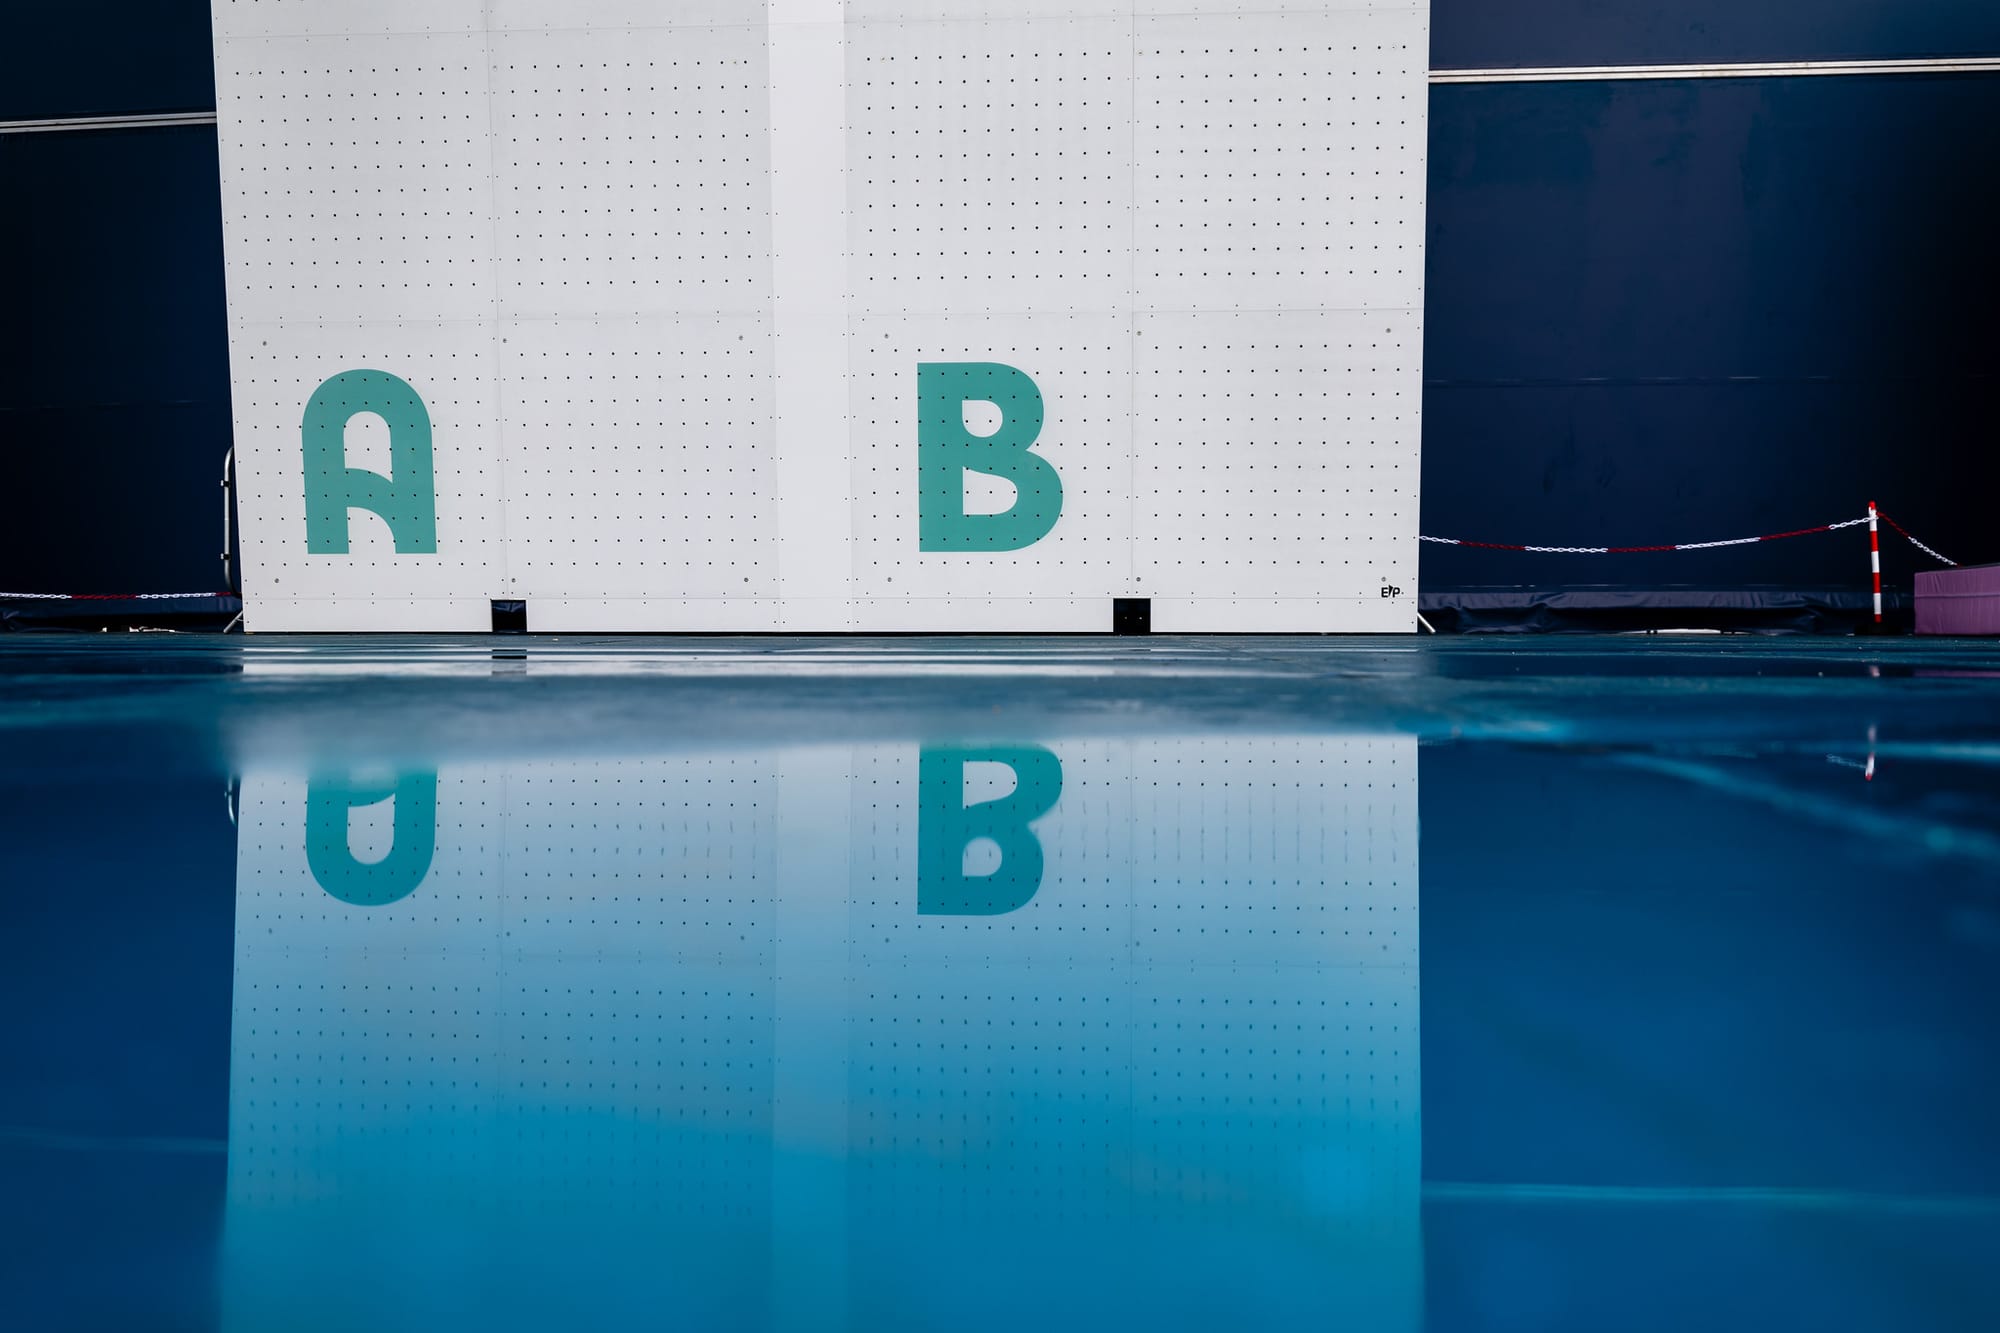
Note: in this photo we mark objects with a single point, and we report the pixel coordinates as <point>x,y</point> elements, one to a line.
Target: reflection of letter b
<point>408,504</point>
<point>946,826</point>
<point>330,798</point>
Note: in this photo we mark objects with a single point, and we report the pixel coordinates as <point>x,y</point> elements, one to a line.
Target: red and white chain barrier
<point>112,596</point>
<point>1914,542</point>
<point>1874,559</point>
<point>1869,518</point>
<point>1874,545</point>
<point>1635,550</point>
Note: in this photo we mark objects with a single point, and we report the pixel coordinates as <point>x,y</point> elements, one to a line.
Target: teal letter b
<point>408,504</point>
<point>946,451</point>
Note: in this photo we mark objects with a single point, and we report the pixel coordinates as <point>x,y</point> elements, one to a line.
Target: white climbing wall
<point>662,275</point>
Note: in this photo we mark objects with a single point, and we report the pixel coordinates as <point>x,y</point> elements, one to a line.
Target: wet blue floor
<point>513,983</point>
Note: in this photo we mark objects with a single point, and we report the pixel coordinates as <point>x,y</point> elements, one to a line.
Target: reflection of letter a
<point>329,798</point>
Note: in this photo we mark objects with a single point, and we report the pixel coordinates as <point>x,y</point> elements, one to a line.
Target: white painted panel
<point>300,18</point>
<point>1263,615</point>
<point>1281,458</point>
<point>810,312</point>
<point>653,615</point>
<point>631,171</point>
<point>989,165</point>
<point>356,178</point>
<point>1151,7</point>
<point>982,11</point>
<point>1281,160</point>
<point>633,14</point>
<point>993,615</point>
<point>638,457</point>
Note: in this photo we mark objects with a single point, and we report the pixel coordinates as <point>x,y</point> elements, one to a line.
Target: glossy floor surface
<point>816,984</point>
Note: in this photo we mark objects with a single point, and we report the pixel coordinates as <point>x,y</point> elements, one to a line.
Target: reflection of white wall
<point>1209,1009</point>
<point>663,273</point>
<point>545,1072</point>
<point>666,1040</point>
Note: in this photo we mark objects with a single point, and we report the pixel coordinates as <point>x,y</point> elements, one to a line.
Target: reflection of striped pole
<point>1875,559</point>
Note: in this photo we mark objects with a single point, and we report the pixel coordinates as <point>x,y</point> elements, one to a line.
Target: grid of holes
<point>304,18</point>
<point>1316,491</point>
<point>357,178</point>
<point>990,166</point>
<point>1281,161</point>
<point>639,457</point>
<point>632,171</point>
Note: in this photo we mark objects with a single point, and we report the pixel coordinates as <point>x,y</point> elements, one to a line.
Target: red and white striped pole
<point>1875,559</point>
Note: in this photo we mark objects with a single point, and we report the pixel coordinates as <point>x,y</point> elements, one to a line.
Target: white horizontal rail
<point>1764,70</point>
<point>1522,74</point>
<point>61,124</point>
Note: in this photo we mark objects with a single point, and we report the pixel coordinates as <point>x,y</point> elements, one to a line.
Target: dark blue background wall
<point>114,362</point>
<point>1491,34</point>
<point>106,58</point>
<point>1658,311</point>
<point>1688,310</point>
<point>114,370</point>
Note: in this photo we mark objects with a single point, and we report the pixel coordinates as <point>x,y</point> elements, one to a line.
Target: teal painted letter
<point>946,825</point>
<point>329,797</point>
<point>408,504</point>
<point>946,451</point>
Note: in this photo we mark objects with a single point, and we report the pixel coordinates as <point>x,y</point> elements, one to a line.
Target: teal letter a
<point>408,504</point>
<point>946,451</point>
